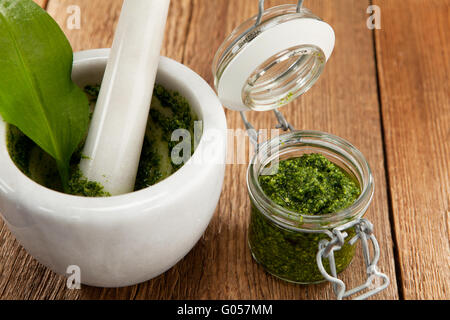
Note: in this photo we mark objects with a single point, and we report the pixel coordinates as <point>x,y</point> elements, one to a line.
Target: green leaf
<point>37,94</point>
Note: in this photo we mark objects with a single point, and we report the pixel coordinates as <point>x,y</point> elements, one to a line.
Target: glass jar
<point>286,243</point>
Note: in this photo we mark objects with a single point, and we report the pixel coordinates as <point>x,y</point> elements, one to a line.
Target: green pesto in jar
<point>308,185</point>
<point>169,111</point>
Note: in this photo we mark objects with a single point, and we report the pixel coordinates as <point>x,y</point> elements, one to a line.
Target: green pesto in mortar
<point>308,185</point>
<point>169,111</point>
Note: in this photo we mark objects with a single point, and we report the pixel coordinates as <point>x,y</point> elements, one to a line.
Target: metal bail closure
<point>364,231</point>
<point>272,58</point>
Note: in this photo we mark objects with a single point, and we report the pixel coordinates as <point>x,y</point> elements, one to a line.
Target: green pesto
<point>41,167</point>
<point>92,92</point>
<point>309,185</point>
<point>79,185</point>
<point>169,111</point>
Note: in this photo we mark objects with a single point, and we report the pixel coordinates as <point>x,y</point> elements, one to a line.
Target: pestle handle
<point>114,143</point>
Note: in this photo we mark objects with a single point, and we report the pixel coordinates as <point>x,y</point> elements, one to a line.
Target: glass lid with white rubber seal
<point>272,58</point>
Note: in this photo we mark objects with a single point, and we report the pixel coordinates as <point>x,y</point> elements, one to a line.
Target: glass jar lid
<point>272,58</point>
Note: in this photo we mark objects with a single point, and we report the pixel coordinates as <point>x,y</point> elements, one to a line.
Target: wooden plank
<point>99,19</point>
<point>42,3</point>
<point>344,102</point>
<point>413,50</point>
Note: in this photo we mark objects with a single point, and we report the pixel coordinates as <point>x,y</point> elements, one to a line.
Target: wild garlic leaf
<point>37,94</point>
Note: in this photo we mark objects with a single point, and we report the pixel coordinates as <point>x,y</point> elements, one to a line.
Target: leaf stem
<point>64,173</point>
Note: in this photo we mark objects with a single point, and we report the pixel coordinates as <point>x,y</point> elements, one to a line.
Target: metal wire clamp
<point>364,232</point>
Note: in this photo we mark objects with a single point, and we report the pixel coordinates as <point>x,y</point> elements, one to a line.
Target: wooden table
<point>386,91</point>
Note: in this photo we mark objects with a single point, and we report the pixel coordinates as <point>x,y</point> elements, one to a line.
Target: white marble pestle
<point>114,143</point>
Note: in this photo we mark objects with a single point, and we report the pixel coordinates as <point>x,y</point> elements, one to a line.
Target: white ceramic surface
<point>131,238</point>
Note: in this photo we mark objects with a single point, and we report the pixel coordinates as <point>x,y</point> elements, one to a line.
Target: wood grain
<point>413,50</point>
<point>344,102</point>
<point>42,3</point>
